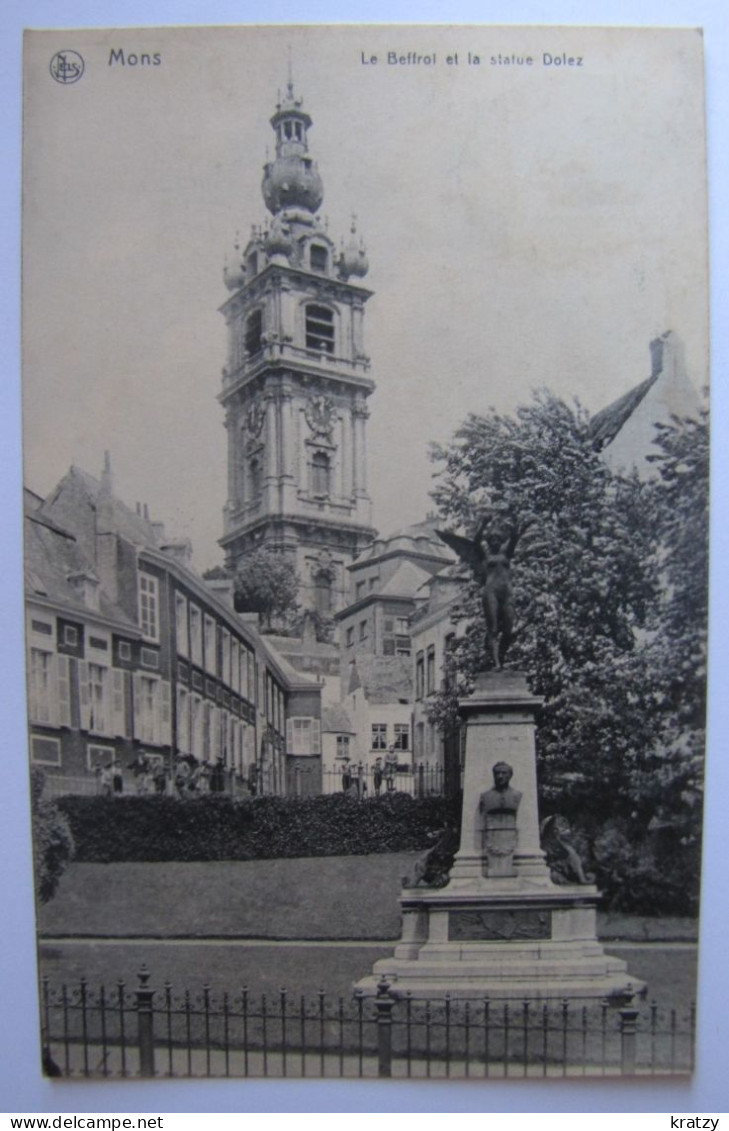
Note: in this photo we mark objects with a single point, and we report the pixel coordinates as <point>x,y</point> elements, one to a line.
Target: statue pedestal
<point>500,927</point>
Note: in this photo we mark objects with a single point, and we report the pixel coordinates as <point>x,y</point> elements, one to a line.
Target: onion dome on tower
<point>353,258</point>
<point>234,272</point>
<point>292,180</point>
<point>279,240</point>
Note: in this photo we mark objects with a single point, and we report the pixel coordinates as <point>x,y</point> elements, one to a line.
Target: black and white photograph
<point>365,380</point>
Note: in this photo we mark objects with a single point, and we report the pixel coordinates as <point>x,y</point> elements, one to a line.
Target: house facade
<point>136,667</point>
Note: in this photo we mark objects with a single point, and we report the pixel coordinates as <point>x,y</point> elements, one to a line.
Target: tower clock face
<point>320,415</point>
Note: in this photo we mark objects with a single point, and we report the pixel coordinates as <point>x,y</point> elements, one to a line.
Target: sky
<point>526,225</point>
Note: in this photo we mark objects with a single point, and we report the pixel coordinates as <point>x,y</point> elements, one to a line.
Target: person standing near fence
<point>377,776</point>
<point>117,777</point>
<point>160,778</point>
<point>390,768</point>
<point>105,781</point>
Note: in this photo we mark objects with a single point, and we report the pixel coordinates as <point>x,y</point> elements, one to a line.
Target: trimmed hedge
<point>110,829</point>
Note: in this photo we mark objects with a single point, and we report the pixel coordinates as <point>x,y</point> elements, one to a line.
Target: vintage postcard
<point>365,423</point>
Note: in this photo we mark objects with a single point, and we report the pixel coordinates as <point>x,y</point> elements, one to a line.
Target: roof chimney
<point>656,348</point>
<point>107,481</point>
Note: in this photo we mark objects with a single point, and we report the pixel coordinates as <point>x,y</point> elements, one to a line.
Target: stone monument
<point>500,927</point>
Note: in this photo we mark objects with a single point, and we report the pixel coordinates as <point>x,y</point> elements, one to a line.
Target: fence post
<point>145,1024</point>
<point>628,1028</point>
<point>384,1003</point>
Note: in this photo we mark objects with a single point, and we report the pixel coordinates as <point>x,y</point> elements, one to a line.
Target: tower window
<point>319,329</point>
<point>254,468</point>
<point>297,130</point>
<point>318,258</point>
<point>254,333</point>
<point>252,263</point>
<point>287,130</point>
<point>320,469</point>
<point>323,594</point>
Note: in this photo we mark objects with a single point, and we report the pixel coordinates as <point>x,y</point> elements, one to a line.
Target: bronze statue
<point>501,798</point>
<point>489,555</point>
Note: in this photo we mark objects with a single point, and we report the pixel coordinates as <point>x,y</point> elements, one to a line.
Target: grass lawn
<point>333,897</point>
<point>670,971</point>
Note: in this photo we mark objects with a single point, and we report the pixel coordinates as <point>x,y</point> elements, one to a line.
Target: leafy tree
<point>610,588</point>
<point>266,583</point>
<point>679,504</point>
<point>53,845</point>
<point>583,587</point>
<point>672,787</point>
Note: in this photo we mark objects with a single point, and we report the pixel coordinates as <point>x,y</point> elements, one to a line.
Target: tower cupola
<point>292,180</point>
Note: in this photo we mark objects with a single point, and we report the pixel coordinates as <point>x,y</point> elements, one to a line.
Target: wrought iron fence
<point>422,780</point>
<point>157,1032</point>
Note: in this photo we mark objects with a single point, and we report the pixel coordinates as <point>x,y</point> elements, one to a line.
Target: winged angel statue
<point>488,554</point>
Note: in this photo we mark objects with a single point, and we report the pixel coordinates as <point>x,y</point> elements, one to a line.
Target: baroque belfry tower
<point>296,381</point>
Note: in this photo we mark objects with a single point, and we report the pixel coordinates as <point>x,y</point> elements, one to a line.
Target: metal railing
<point>156,1032</point>
<point>423,780</point>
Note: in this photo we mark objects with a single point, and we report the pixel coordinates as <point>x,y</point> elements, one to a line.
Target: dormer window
<point>318,258</point>
<point>319,329</point>
<point>254,333</point>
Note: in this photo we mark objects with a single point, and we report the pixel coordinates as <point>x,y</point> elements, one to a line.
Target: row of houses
<point>139,672</point>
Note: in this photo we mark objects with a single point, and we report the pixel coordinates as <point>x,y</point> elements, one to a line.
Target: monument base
<point>500,927</point>
<point>508,943</point>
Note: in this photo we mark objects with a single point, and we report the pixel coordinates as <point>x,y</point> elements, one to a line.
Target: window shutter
<point>137,689</point>
<point>83,690</point>
<point>315,736</point>
<point>63,690</point>
<point>118,714</point>
<point>165,729</point>
<point>290,736</point>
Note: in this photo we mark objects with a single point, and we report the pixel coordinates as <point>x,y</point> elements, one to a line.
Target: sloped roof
<point>405,581</point>
<point>335,720</point>
<point>606,424</point>
<point>383,679</point>
<point>296,646</point>
<point>78,488</point>
<point>418,539</point>
<point>51,556</point>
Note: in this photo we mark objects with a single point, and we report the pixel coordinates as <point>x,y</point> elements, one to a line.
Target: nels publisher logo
<point>67,67</point>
